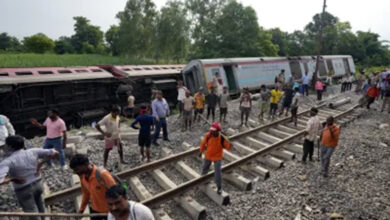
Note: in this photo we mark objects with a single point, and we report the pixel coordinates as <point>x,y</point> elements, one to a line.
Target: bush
<point>38,43</point>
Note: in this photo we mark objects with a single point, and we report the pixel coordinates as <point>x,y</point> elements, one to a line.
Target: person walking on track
<point>188,108</point>
<point>223,104</point>
<point>294,106</point>
<point>275,98</point>
<point>214,143</point>
<point>329,141</point>
<point>111,122</point>
<point>310,135</point>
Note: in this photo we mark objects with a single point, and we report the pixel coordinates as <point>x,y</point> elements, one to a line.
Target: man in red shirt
<point>329,141</point>
<point>371,94</point>
<point>214,143</point>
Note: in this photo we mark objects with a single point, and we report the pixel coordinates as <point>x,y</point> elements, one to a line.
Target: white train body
<point>238,73</point>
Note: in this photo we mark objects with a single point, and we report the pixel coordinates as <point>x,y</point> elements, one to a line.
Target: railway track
<point>257,151</point>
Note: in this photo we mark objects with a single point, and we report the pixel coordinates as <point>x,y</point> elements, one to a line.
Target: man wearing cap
<point>147,124</point>
<point>214,143</point>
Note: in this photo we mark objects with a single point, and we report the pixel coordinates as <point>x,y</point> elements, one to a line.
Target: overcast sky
<point>22,18</point>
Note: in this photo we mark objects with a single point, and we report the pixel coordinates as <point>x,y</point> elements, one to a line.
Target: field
<point>38,60</point>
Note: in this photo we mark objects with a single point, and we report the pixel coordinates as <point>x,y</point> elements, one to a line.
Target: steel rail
<point>53,215</point>
<point>163,196</point>
<point>76,190</point>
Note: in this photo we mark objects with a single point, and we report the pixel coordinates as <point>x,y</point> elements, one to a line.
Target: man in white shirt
<point>181,94</point>
<point>111,122</point>
<point>129,110</point>
<point>6,129</point>
<point>123,209</point>
<point>312,129</point>
<point>294,106</point>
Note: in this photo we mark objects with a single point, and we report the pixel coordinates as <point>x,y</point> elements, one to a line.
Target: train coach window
<point>96,70</point>
<point>23,73</point>
<point>165,68</point>
<point>156,68</point>
<point>126,69</point>
<point>45,72</point>
<point>64,71</point>
<point>173,68</point>
<point>147,68</point>
<point>3,74</point>
<point>137,69</point>
<point>81,71</point>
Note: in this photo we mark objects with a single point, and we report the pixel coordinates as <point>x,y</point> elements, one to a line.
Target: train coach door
<point>346,65</point>
<point>231,79</point>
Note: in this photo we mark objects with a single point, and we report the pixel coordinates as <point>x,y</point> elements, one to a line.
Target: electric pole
<point>319,43</point>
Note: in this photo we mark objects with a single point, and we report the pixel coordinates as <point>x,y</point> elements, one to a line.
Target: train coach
<point>79,93</point>
<point>237,73</point>
<point>144,78</point>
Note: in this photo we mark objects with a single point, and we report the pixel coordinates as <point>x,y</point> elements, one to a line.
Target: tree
<point>137,28</point>
<point>280,38</point>
<point>9,43</point>
<point>172,32</point>
<point>112,38</point>
<point>239,35</point>
<point>38,43</point>
<point>299,43</point>
<point>203,15</point>
<point>64,45</point>
<point>86,33</point>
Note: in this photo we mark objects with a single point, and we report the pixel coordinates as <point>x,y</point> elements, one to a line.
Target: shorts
<point>187,115</point>
<point>223,110</point>
<point>245,109</point>
<point>287,103</point>
<point>110,143</point>
<point>144,140</point>
<point>199,110</point>
<point>129,110</point>
<point>294,110</point>
<point>264,107</point>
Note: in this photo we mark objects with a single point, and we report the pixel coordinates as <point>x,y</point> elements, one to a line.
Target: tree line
<point>185,30</point>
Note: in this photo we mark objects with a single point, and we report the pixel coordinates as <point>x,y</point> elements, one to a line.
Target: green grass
<point>51,60</point>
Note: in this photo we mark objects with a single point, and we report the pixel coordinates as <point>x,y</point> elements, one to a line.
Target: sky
<point>22,18</point>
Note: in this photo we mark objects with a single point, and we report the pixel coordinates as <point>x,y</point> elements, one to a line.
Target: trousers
<point>308,149</point>
<point>217,171</point>
<point>31,200</point>
<point>55,143</point>
<point>326,153</point>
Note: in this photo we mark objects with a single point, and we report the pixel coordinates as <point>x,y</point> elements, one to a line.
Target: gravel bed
<point>356,188</point>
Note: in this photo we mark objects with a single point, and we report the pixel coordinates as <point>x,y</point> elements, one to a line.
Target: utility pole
<point>319,43</point>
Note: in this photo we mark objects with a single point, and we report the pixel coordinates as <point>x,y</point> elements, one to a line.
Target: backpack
<point>116,178</point>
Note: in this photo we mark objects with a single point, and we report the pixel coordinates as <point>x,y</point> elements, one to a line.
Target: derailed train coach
<point>81,94</point>
<point>237,73</point>
<point>144,78</point>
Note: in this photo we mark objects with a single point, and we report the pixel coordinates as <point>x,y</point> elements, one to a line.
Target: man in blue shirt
<point>160,111</point>
<point>305,83</point>
<point>144,140</point>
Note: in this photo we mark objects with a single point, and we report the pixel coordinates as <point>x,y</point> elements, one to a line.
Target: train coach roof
<point>50,74</point>
<point>145,70</point>
<point>259,59</point>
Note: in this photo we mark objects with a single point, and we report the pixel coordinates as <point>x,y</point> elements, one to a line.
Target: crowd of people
<point>108,194</point>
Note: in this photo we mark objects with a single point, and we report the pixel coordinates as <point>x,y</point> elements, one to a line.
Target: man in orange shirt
<point>329,141</point>
<point>214,143</point>
<point>94,184</point>
<point>371,94</point>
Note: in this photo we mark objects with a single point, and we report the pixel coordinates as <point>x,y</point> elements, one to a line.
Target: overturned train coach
<point>81,94</point>
<point>237,73</point>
